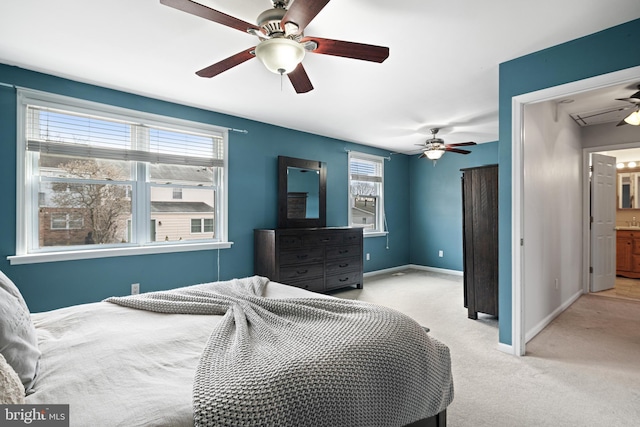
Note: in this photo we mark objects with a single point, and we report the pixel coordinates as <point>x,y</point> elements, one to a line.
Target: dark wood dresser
<point>480,239</point>
<point>316,259</point>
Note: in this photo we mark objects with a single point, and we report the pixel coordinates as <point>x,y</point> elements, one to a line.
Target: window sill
<point>113,252</point>
<point>376,234</point>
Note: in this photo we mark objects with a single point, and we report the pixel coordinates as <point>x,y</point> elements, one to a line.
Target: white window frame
<point>379,229</point>
<point>26,202</point>
<point>177,193</point>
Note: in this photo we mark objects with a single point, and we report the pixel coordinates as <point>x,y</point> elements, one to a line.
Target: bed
<point>253,359</point>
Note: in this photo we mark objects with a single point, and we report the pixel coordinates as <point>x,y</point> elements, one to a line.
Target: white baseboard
<point>412,266</point>
<point>544,322</point>
<point>386,271</point>
<point>437,270</point>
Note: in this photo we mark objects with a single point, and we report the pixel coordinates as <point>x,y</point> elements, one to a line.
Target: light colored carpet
<point>582,370</point>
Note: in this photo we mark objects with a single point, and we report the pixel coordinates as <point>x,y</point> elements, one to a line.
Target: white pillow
<point>18,340</point>
<point>11,389</point>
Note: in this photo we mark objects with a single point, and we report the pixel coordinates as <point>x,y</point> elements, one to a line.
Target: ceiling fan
<point>634,117</point>
<point>434,147</point>
<point>282,43</point>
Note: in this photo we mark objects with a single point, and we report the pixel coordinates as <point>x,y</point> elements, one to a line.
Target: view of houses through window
<point>104,181</point>
<point>366,192</point>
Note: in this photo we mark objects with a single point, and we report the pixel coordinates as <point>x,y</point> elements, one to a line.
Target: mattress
<point>120,366</point>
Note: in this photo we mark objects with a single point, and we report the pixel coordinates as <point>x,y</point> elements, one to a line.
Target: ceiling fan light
<point>434,154</point>
<point>633,118</point>
<point>280,55</point>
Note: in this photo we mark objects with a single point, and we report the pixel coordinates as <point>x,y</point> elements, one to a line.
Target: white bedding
<point>102,360</point>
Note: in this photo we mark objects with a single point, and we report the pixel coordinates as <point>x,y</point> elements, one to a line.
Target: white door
<point>603,232</point>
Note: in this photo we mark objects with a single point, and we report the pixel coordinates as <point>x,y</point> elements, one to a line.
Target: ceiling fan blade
<point>210,14</point>
<point>423,155</point>
<point>621,123</point>
<point>460,144</point>
<point>300,80</point>
<point>301,12</point>
<point>225,64</point>
<point>365,52</point>
<point>457,150</point>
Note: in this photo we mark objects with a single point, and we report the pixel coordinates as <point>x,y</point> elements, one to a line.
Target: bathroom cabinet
<point>628,253</point>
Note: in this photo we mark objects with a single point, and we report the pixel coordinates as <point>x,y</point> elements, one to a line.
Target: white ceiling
<point>442,70</point>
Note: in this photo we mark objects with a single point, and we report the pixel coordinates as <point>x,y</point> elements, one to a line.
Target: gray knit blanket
<point>306,361</point>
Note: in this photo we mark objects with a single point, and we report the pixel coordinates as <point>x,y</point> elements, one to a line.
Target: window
<point>99,175</point>
<point>366,188</point>
<point>201,225</point>
<point>66,221</point>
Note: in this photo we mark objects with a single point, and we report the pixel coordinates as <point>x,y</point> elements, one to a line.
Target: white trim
<point>25,212</point>
<point>544,322</point>
<point>380,211</point>
<point>437,270</point>
<point>629,75</point>
<point>386,271</point>
<point>517,227</point>
<point>505,348</point>
<point>114,252</point>
<point>375,234</point>
<point>413,267</point>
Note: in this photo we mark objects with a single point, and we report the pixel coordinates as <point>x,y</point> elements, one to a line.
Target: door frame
<point>518,103</point>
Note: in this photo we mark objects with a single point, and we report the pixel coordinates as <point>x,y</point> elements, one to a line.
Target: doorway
<point>555,287</point>
<point>626,283</point>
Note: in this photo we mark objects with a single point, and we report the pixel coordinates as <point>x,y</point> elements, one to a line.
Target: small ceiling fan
<point>282,43</point>
<point>434,147</point>
<point>634,117</point>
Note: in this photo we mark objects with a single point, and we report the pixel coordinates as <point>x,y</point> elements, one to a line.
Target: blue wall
<point>614,49</point>
<point>436,205</point>
<point>252,202</point>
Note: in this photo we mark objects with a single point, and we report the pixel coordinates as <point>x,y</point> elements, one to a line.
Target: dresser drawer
<point>352,237</point>
<point>342,280</point>
<point>301,272</point>
<point>290,241</point>
<point>303,255</point>
<point>347,251</point>
<point>322,239</point>
<point>313,285</point>
<point>343,265</point>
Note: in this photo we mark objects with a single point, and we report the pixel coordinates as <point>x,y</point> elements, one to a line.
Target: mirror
<point>301,193</point>
<point>628,190</point>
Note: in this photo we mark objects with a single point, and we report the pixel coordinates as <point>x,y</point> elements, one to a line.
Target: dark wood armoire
<point>480,239</point>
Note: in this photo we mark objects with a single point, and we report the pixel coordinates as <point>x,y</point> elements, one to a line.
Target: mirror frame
<point>634,174</point>
<point>283,221</point>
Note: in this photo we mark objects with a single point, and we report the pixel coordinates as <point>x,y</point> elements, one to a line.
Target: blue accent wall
<point>613,49</point>
<point>436,206</point>
<point>252,201</point>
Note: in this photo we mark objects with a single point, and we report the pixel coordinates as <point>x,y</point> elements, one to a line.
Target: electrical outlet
<point>368,257</point>
<point>135,288</point>
<point>440,254</point>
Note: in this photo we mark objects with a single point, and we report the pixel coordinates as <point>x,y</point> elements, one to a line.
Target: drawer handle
<point>343,251</point>
<point>344,280</point>
<point>325,240</point>
<point>302,271</point>
<point>302,256</point>
<point>344,265</point>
